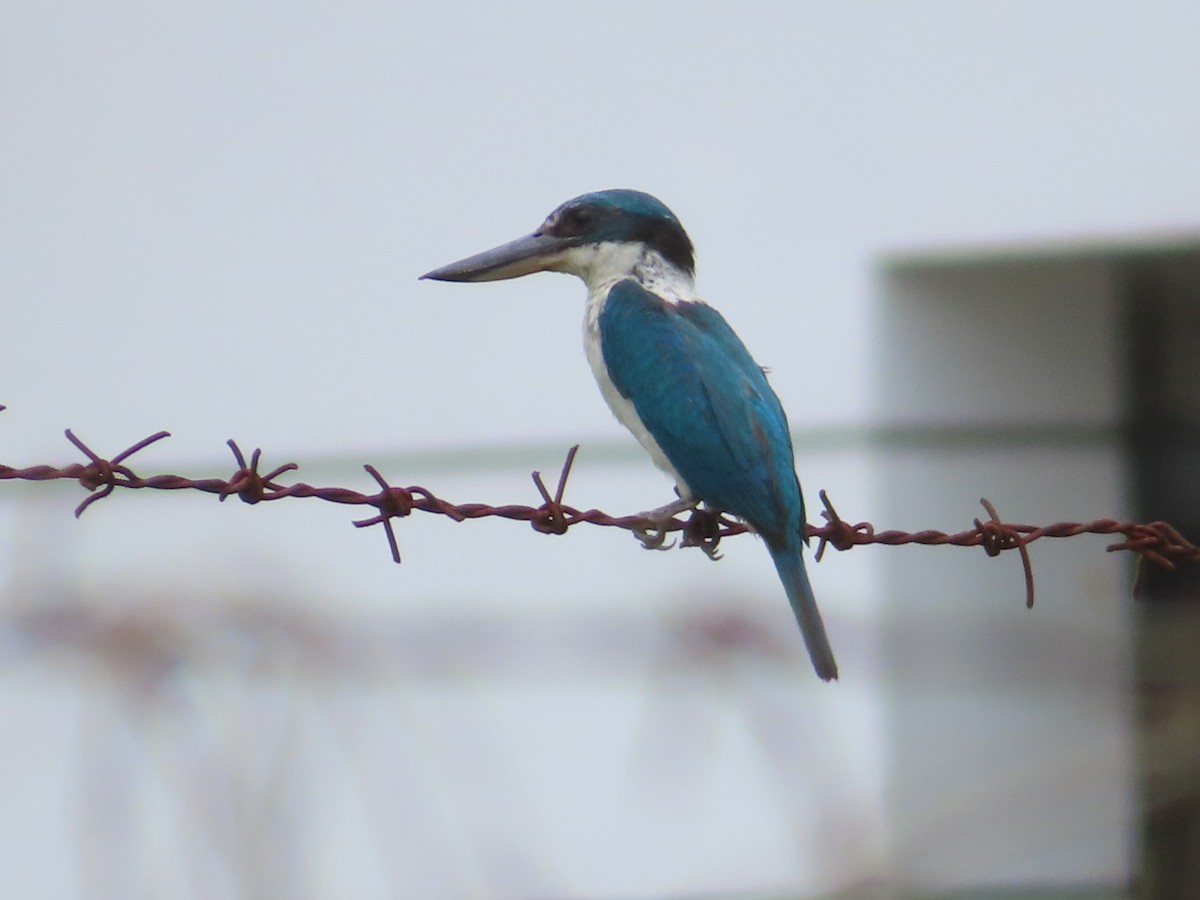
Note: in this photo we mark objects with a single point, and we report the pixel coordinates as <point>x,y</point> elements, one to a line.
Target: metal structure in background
<point>1162,320</point>
<point>216,740</point>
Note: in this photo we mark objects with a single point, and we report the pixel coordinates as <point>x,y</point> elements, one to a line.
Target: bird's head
<point>593,236</point>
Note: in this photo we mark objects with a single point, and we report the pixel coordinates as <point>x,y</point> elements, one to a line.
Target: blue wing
<point>708,404</point>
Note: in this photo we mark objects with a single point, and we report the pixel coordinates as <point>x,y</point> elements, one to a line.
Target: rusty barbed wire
<point>1157,542</point>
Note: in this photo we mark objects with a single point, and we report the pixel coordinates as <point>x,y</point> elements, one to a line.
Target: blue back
<point>708,404</point>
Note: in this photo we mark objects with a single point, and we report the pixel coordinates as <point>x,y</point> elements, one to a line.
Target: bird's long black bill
<point>532,253</point>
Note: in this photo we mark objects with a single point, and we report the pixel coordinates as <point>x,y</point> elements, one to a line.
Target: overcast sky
<point>214,218</point>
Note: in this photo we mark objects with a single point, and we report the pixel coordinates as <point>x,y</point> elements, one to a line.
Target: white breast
<point>621,407</point>
<point>601,266</point>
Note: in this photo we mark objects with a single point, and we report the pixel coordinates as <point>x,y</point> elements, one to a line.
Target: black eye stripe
<point>622,216</point>
<point>578,218</point>
<point>572,222</point>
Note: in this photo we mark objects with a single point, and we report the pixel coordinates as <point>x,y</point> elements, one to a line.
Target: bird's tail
<point>790,565</point>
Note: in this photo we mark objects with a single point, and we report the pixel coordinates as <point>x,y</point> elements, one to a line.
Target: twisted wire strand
<point>1157,542</point>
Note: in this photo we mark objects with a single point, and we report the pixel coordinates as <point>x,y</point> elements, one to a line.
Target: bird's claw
<point>654,537</point>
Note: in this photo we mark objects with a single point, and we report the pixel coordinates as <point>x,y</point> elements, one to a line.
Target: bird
<point>674,373</point>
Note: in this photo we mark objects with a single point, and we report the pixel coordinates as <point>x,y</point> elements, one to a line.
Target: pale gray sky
<point>214,218</point>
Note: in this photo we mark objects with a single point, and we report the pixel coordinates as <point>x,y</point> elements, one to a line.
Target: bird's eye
<point>577,220</point>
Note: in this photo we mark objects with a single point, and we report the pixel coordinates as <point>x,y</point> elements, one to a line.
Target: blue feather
<point>708,405</point>
<point>789,563</point>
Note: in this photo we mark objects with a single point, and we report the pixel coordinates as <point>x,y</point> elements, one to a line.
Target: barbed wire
<point>1156,542</point>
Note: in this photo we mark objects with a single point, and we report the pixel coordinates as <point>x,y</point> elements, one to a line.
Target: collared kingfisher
<point>674,373</point>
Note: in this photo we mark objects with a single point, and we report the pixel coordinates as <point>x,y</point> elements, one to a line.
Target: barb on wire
<point>1156,542</point>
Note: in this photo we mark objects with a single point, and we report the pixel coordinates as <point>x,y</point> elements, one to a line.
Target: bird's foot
<point>655,536</point>
<point>668,510</point>
<point>704,531</point>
